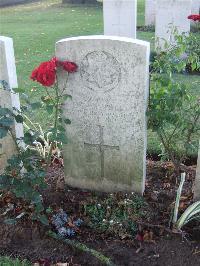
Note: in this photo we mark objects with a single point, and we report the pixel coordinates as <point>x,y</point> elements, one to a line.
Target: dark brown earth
<point>165,248</point>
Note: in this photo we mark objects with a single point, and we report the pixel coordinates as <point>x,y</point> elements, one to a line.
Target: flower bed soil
<point>30,241</point>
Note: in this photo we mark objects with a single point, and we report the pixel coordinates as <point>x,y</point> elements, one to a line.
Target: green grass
<point>7,261</point>
<point>36,27</point>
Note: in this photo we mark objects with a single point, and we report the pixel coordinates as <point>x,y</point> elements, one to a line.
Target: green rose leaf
<point>3,132</point>
<point>19,119</point>
<point>67,121</point>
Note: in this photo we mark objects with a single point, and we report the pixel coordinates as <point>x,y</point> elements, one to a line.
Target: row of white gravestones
<point>8,99</point>
<point>120,18</point>
<point>150,10</point>
<point>107,134</point>
<point>171,13</point>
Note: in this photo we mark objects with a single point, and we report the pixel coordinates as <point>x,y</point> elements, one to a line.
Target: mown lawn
<point>36,27</point>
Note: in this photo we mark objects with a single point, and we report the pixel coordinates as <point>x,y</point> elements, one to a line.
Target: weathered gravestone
<point>150,12</point>
<point>120,18</point>
<point>8,98</point>
<point>197,179</point>
<point>107,136</point>
<point>171,13</point>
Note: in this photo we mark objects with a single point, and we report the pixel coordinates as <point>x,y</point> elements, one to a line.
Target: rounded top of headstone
<point>103,37</point>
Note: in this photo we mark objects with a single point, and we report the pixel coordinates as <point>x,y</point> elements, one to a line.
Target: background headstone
<point>197,178</point>
<point>195,6</point>
<point>120,18</point>
<point>107,134</point>
<point>150,12</point>
<point>8,98</point>
<point>171,12</point>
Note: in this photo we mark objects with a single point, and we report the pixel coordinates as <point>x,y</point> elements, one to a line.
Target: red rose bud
<point>69,66</point>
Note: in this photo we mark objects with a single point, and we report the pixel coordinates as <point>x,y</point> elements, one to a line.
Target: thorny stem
<point>56,105</point>
<point>168,150</point>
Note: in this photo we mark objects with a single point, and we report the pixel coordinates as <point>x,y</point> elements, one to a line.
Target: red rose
<point>194,17</point>
<point>69,66</point>
<point>45,73</point>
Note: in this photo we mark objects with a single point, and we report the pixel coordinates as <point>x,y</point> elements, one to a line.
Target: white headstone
<point>171,13</point>
<point>197,178</point>
<point>195,7</point>
<point>120,18</point>
<point>150,12</point>
<point>107,136</point>
<point>8,98</point>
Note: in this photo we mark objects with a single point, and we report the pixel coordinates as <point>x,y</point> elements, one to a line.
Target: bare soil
<point>165,248</point>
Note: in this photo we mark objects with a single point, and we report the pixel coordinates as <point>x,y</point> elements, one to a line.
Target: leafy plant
<point>116,214</point>
<point>174,112</point>
<point>24,176</point>
<point>191,213</point>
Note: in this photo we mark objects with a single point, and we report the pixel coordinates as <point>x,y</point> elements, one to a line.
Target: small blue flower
<point>60,219</point>
<point>70,232</point>
<point>62,231</point>
<point>78,222</point>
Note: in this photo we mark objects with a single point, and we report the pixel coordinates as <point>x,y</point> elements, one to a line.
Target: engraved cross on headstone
<point>102,147</point>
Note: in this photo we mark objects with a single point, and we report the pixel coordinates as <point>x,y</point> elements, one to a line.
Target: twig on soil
<point>196,252</point>
<point>76,244</point>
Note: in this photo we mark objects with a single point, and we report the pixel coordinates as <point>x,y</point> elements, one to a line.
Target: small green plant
<point>191,213</point>
<point>174,112</point>
<point>115,214</point>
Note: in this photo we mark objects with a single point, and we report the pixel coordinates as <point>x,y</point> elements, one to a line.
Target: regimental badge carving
<point>100,71</point>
